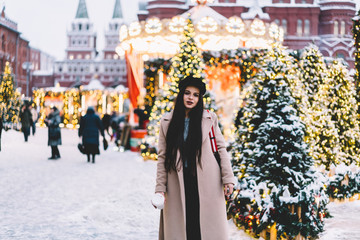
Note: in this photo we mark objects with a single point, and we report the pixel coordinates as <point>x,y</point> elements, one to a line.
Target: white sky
<point>44,22</point>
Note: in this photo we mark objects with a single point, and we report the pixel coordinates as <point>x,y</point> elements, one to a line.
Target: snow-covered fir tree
<point>343,111</point>
<point>187,62</point>
<point>321,134</point>
<point>278,178</point>
<point>312,70</point>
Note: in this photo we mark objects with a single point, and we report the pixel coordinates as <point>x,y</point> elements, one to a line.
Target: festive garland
<point>344,184</point>
<point>151,72</point>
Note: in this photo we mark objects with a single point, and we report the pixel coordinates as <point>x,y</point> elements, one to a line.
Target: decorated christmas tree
<point>187,62</point>
<point>312,71</point>
<point>9,100</point>
<point>342,106</point>
<point>278,183</point>
<point>356,33</point>
<point>321,134</point>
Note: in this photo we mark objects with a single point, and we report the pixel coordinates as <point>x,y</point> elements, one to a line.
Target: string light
<point>10,99</point>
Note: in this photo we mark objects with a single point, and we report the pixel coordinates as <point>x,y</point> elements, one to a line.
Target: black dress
<point>191,197</point>
<point>192,205</point>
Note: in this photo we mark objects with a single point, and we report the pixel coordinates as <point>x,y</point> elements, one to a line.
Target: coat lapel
<point>165,126</point>
<point>207,122</point>
<point>166,122</point>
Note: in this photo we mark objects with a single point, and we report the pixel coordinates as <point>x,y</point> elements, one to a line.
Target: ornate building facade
<point>326,23</point>
<point>83,62</point>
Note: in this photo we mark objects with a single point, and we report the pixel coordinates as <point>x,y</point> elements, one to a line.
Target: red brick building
<point>16,50</point>
<point>13,49</point>
<point>42,74</point>
<point>327,23</point>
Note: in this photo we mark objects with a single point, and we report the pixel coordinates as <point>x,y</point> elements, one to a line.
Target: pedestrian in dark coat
<point>90,126</point>
<point>52,121</point>
<point>26,121</point>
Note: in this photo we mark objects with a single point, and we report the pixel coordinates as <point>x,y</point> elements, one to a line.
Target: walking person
<point>90,126</point>
<point>26,121</point>
<point>54,133</point>
<point>188,174</point>
<point>106,122</point>
<point>34,116</point>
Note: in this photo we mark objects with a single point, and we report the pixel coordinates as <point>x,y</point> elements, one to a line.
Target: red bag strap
<point>213,139</point>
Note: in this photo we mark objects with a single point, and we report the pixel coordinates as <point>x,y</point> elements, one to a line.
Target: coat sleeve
<point>227,174</point>
<point>81,128</point>
<point>161,173</point>
<point>100,126</point>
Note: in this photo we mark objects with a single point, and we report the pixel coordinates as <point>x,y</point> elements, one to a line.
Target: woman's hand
<point>228,189</point>
<point>163,194</point>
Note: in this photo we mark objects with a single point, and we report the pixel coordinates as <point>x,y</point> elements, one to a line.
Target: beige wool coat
<point>213,222</point>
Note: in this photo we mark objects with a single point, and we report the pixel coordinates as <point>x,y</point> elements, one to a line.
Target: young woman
<point>188,174</point>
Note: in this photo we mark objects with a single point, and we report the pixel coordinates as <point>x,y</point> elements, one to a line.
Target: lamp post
<point>28,66</point>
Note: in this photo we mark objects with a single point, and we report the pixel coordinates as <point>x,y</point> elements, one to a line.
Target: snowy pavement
<point>71,199</point>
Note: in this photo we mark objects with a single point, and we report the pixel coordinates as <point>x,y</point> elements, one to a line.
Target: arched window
<point>307,27</point>
<point>299,29</point>
<point>340,55</point>
<point>284,25</point>
<point>342,28</point>
<point>80,26</point>
<point>336,28</point>
<point>277,21</point>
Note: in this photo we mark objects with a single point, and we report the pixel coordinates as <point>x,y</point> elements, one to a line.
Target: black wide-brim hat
<point>193,81</point>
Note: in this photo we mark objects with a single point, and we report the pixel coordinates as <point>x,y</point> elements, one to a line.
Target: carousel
<point>160,38</point>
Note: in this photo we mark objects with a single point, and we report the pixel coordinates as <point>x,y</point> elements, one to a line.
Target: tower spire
<point>117,10</point>
<point>82,10</point>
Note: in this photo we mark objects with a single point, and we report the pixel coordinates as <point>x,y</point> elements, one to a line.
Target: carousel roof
<point>94,84</point>
<point>200,11</point>
<point>161,37</point>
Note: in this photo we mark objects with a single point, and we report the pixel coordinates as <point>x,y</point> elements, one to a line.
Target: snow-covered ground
<point>72,199</point>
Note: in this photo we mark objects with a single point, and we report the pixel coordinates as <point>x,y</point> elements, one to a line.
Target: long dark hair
<point>191,148</point>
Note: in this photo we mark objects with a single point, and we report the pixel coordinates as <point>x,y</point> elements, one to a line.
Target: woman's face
<point>191,97</point>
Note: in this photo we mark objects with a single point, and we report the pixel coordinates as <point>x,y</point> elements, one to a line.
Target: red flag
<point>133,77</point>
